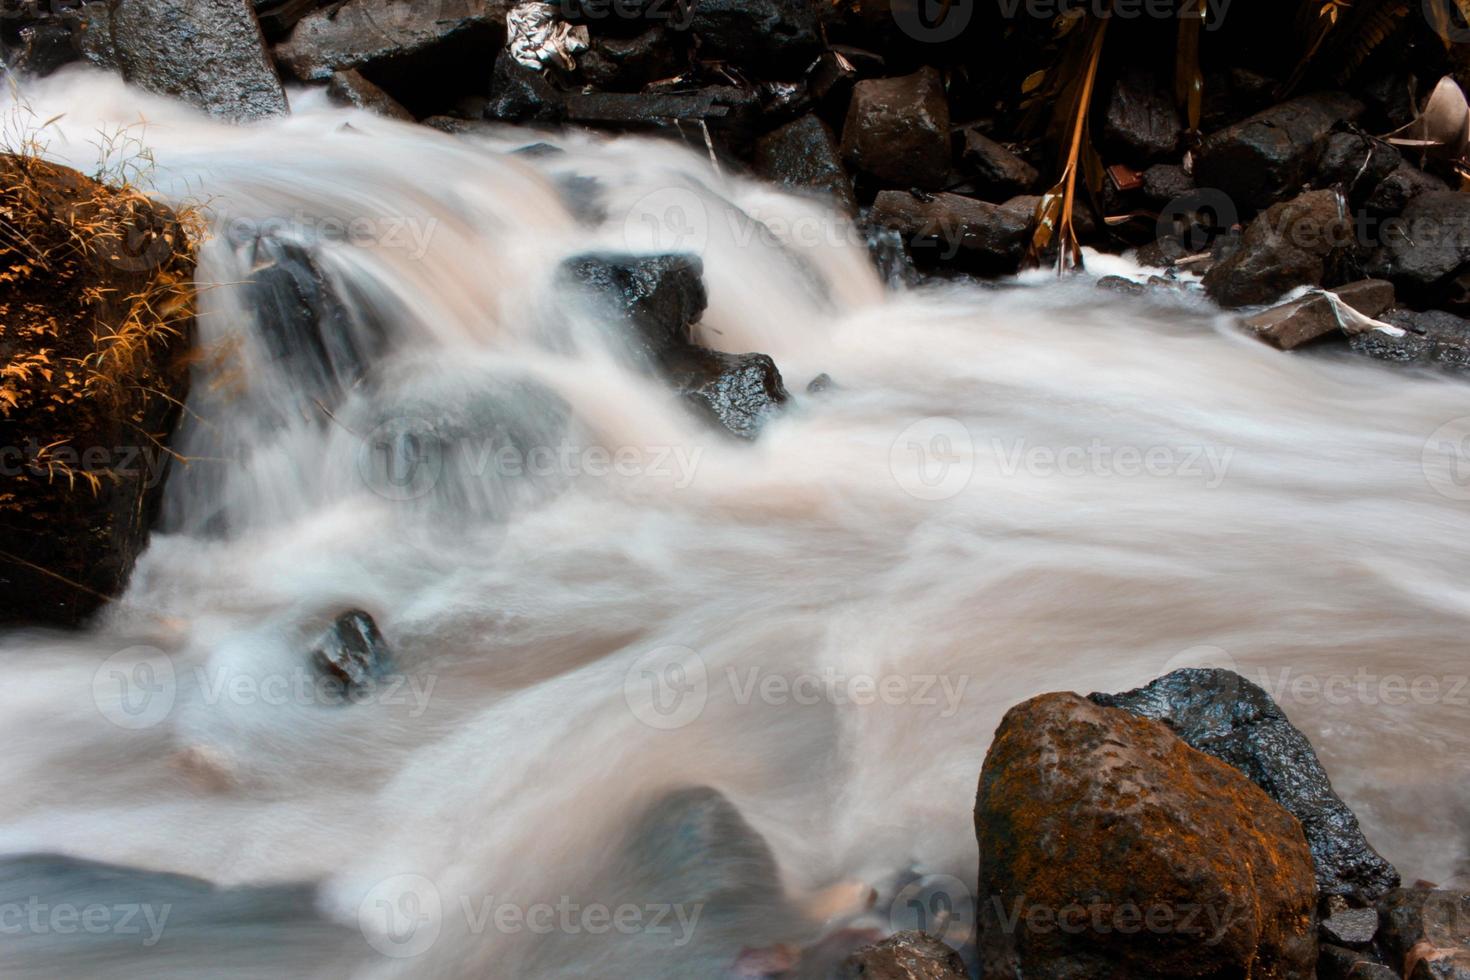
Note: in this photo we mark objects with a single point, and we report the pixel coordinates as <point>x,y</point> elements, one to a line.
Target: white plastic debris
<point>539,38</point>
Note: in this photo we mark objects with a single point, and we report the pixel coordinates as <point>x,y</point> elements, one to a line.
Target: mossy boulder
<point>96,317</point>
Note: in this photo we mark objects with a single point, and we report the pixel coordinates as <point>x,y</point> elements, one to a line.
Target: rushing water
<point>1007,491</point>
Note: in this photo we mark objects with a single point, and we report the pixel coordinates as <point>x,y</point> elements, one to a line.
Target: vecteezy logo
<point>1189,217</point>
<point>670,219</point>
<point>934,21</point>
<point>667,687</point>
<point>1446,459</point>
<point>401,916</point>
<point>933,459</point>
<point>402,459</point>
<point>940,905</point>
<point>135,688</point>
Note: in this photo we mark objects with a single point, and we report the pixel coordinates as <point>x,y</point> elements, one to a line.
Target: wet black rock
<point>39,39</point>
<point>211,55</point>
<point>1165,182</point>
<point>350,88</point>
<point>723,108</point>
<point>518,94</point>
<point>1355,162</point>
<point>905,956</point>
<point>1402,185</point>
<point>803,153</point>
<point>769,37</point>
<point>1426,251</point>
<point>739,392</point>
<point>376,34</point>
<point>352,652</point>
<point>658,298</point>
<point>1426,933</point>
<point>1224,715</point>
<point>996,172</point>
<point>947,228</point>
<point>1433,338</point>
<point>1142,123</point>
<point>1290,245</point>
<point>1340,963</point>
<point>897,130</point>
<point>627,64</point>
<point>1269,156</point>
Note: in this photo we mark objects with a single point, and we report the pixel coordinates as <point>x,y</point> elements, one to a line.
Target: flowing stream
<point>1007,490</point>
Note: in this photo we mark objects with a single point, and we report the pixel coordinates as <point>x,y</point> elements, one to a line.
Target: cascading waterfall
<point>1006,491</point>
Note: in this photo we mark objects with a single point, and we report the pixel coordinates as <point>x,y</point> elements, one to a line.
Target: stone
<point>1110,848</point>
<point>1268,157</point>
<point>627,64</point>
<point>905,956</point>
<point>1356,162</point>
<point>1119,284</point>
<point>1354,928</point>
<point>1403,184</point>
<point>277,17</point>
<point>389,35</point>
<point>350,88</point>
<point>1312,316</point>
<point>87,434</point>
<point>1223,714</point>
<point>897,130</point>
<point>997,172</point>
<point>737,392</point>
<point>804,154</point>
<point>1340,963</point>
<point>1426,251</point>
<point>352,653</point>
<point>519,94</point>
<point>1164,183</point>
<point>772,38</point>
<point>949,228</point>
<point>1287,246</point>
<point>657,298</point>
<point>1426,932</point>
<point>211,55</point>
<point>1142,123</point>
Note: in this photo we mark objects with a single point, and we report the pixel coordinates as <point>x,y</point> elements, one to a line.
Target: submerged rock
<point>897,130</point>
<point>94,374</point>
<point>352,653</point>
<point>1290,245</point>
<point>905,956</point>
<point>1109,848</point>
<point>738,392</point>
<point>211,55</point>
<point>1223,714</point>
<point>1268,157</point>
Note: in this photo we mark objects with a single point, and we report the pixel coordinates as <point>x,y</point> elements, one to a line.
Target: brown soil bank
<point>96,315</point>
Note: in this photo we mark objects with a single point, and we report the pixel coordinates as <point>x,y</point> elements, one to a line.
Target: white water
<point>1290,522</point>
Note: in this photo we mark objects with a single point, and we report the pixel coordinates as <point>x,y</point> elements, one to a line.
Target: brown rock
<point>952,228</point>
<point>897,130</point>
<point>905,956</point>
<point>1286,247</point>
<point>1109,848</point>
<point>1292,324</point>
<point>998,172</point>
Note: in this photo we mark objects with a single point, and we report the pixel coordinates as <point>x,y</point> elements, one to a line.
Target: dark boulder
<point>897,130</point>
<point>1426,933</point>
<point>1269,156</point>
<point>350,88</point>
<point>1223,714</point>
<point>37,39</point>
<point>627,64</point>
<point>1142,123</point>
<point>1164,183</point>
<point>769,37</point>
<point>803,153</point>
<point>352,653</point>
<point>519,94</point>
<point>1431,338</point>
<point>738,392</point>
<point>1355,162</point>
<point>656,298</point>
<point>948,228</point>
<point>996,172</point>
<point>1109,848</point>
<point>211,55</point>
<point>1426,252</point>
<point>1292,244</point>
<point>92,376</point>
<point>1402,185</point>
<point>905,956</point>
